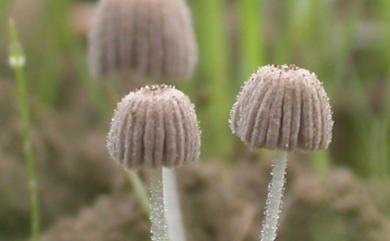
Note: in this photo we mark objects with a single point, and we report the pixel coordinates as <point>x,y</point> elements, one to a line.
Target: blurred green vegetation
<point>345,42</point>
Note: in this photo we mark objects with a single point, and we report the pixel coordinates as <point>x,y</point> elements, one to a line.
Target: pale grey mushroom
<point>143,39</point>
<point>283,108</point>
<point>156,127</point>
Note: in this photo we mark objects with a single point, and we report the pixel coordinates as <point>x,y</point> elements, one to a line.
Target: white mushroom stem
<point>158,210</point>
<point>274,199</point>
<point>176,229</point>
<point>166,217</point>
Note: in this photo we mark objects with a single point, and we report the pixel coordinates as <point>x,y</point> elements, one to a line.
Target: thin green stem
<point>17,62</point>
<point>385,15</point>
<point>139,188</point>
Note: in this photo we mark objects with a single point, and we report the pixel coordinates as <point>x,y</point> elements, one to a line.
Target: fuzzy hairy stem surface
<point>165,213</point>
<point>274,198</point>
<point>159,229</point>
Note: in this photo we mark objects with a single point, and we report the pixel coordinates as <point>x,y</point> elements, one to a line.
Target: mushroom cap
<point>155,126</point>
<point>283,107</point>
<point>143,39</point>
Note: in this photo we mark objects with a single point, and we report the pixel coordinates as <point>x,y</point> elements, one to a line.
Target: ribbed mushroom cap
<point>283,107</point>
<point>155,126</point>
<point>149,39</point>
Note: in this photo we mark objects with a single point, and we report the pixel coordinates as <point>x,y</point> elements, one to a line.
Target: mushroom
<point>283,108</point>
<point>144,39</point>
<point>156,128</point>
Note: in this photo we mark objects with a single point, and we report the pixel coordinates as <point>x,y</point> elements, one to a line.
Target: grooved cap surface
<point>155,126</point>
<point>149,39</point>
<point>283,107</point>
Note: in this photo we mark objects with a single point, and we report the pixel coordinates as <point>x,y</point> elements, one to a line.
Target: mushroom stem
<point>274,199</point>
<point>165,210</point>
<point>158,210</point>
<point>176,229</point>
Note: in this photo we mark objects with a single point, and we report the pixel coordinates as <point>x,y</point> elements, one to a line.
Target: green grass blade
<point>214,76</point>
<point>17,62</point>
<point>251,35</point>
